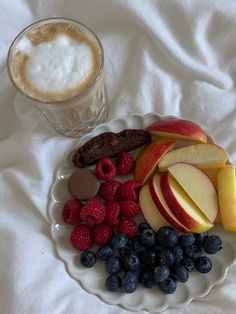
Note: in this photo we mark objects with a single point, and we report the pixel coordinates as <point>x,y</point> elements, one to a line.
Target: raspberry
<point>125,163</point>
<point>108,189</point>
<point>71,212</point>
<point>93,211</point>
<point>129,190</point>
<point>127,227</point>
<point>112,213</point>
<point>129,209</point>
<point>102,233</point>
<point>105,169</point>
<point>81,238</point>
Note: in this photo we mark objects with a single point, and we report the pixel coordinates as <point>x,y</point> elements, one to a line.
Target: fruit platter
<point>143,212</point>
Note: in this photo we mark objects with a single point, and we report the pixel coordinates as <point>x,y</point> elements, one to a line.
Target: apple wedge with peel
<point>149,157</point>
<point>159,200</point>
<point>178,129</point>
<point>149,210</point>
<point>182,206</point>
<point>227,197</point>
<point>201,155</point>
<point>198,186</point>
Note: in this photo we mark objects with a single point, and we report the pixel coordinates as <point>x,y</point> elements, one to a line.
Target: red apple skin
<point>169,217</point>
<point>178,128</point>
<point>177,210</point>
<point>149,157</point>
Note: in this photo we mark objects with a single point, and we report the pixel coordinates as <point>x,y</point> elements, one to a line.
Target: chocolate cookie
<point>83,184</point>
<point>109,144</point>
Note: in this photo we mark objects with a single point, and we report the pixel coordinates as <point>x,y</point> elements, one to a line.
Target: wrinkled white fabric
<point>170,57</point>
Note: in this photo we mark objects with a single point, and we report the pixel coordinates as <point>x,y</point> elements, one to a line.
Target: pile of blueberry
<point>153,259</point>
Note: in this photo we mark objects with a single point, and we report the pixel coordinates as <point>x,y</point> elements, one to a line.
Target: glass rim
<point>53,19</point>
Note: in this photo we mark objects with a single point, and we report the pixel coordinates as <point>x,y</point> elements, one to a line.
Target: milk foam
<point>58,65</point>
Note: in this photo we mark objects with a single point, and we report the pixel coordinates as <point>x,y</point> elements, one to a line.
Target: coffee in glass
<point>59,64</point>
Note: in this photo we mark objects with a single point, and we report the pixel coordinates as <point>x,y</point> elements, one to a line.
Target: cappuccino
<point>55,61</point>
<point>58,63</point>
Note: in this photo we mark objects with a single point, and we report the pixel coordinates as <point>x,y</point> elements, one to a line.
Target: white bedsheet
<point>170,57</point>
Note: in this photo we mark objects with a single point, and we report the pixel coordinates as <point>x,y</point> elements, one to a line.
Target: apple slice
<point>198,186</point>
<point>149,210</point>
<point>218,219</point>
<point>201,155</point>
<point>227,197</point>
<point>212,174</point>
<point>178,129</point>
<point>148,158</point>
<point>158,198</point>
<point>181,205</point>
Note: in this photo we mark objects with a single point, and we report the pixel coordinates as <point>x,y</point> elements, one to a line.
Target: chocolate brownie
<point>109,144</point>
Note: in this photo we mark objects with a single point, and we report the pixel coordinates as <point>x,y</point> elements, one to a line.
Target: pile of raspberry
<point>111,211</point>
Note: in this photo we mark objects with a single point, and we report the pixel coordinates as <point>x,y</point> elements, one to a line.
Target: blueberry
<point>181,274</point>
<point>166,257</point>
<point>176,264</point>
<point>157,248</point>
<point>203,264</point>
<point>161,273</point>
<point>113,265</point>
<point>186,239</point>
<point>168,286</point>
<point>167,236</point>
<point>146,278</point>
<point>212,244</point>
<point>130,282</point>
<point>125,250</point>
<point>131,261</point>
<point>88,258</point>
<point>147,237</point>
<point>113,283</point>
<point>119,240</point>
<point>148,257</point>
<point>187,263</point>
<point>200,238</point>
<point>137,245</point>
<point>178,253</point>
<point>104,252</point>
<point>192,251</point>
<point>142,226</point>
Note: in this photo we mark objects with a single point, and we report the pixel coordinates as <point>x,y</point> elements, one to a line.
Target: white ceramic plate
<point>92,280</point>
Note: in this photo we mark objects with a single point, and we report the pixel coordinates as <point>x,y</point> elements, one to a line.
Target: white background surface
<point>171,57</point>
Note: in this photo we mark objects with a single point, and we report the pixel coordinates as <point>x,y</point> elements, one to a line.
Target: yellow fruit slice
<point>226,186</point>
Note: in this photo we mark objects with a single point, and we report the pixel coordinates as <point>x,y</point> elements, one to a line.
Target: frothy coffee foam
<point>55,62</point>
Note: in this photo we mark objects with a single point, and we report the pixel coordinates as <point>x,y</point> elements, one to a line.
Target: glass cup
<point>79,112</point>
